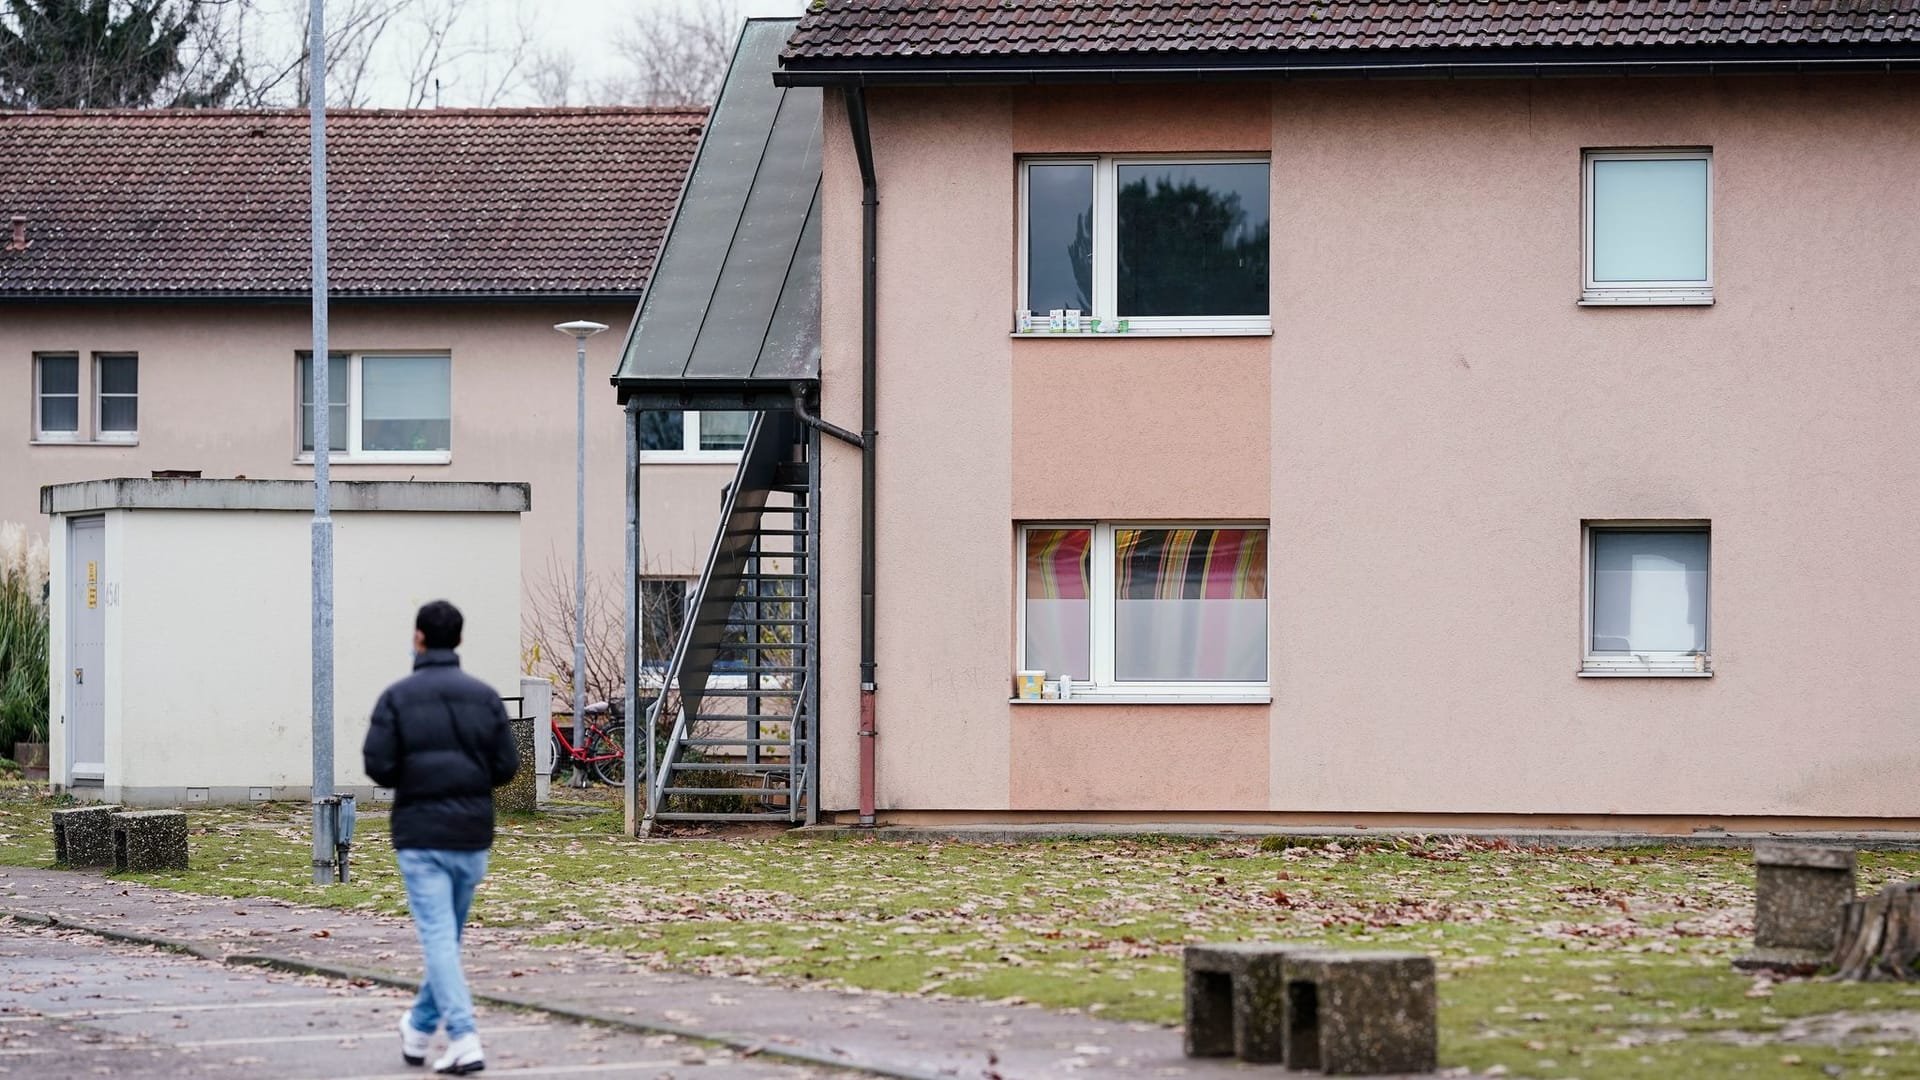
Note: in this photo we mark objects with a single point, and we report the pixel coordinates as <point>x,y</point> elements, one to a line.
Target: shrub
<point>23,637</point>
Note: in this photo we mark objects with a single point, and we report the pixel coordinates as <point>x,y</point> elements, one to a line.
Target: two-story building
<point>154,311</point>
<point>1450,413</point>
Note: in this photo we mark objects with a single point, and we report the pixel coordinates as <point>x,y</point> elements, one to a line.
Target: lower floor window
<point>396,408</point>
<point>1647,597</point>
<point>1129,606</point>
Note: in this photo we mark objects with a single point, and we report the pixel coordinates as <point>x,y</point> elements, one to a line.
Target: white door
<point>86,649</point>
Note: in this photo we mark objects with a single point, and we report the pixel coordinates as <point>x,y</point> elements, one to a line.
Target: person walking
<point>440,740</point>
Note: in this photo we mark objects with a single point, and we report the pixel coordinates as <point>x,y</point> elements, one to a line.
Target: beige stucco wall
<point>207,649</point>
<point>1426,430</point>
<point>217,394</point>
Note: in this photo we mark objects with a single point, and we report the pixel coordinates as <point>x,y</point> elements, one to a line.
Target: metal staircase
<point>741,684</point>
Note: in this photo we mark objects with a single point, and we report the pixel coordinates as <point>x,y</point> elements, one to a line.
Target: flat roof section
<point>418,496</point>
<point>731,317</point>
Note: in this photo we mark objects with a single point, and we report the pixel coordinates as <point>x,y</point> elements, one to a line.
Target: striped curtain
<point>1059,613</point>
<point>1190,605</point>
<point>1190,564</point>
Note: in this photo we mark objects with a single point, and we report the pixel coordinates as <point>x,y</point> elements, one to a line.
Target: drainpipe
<point>856,98</point>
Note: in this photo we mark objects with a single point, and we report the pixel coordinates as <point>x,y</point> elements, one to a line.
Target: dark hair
<point>441,623</point>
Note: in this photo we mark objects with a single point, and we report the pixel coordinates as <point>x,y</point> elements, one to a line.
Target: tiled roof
<point>909,31</point>
<point>489,202</point>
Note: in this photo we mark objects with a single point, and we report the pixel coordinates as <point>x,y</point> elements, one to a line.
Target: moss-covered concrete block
<point>1361,1012</point>
<point>1235,1000</point>
<point>83,835</point>
<point>150,840</point>
<point>1798,890</point>
<point>521,792</point>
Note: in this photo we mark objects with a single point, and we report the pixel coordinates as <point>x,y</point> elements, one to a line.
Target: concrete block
<point>83,835</point>
<point>1361,1012</point>
<point>520,793</point>
<point>1798,890</point>
<point>1235,1000</point>
<point>150,840</point>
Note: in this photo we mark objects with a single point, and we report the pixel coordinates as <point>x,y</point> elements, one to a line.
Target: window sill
<point>83,442</point>
<point>689,457</point>
<point>1047,335</point>
<point>444,457</point>
<point>1088,697</point>
<point>1645,671</point>
<point>1646,298</point>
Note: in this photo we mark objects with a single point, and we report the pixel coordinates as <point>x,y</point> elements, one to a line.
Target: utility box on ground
<point>182,610</point>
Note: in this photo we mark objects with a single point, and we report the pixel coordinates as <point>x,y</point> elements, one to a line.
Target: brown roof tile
<point>837,31</point>
<point>524,201</point>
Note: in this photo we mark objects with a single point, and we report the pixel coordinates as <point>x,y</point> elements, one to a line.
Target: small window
<point>663,612</point>
<point>694,435</point>
<point>1146,609</point>
<point>1647,600</point>
<point>1122,245</point>
<point>382,408</point>
<point>116,386</point>
<point>56,395</point>
<point>1649,229</point>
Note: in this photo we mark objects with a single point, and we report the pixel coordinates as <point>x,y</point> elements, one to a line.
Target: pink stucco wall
<point>217,393</point>
<point>1426,430</point>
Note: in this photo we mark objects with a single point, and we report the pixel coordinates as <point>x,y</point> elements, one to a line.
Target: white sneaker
<point>463,1056</point>
<point>413,1042</point>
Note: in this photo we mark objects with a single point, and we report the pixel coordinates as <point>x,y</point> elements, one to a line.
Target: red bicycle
<point>602,750</point>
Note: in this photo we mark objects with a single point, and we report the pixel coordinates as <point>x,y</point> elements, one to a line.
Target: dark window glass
<point>1193,239</point>
<point>662,431</point>
<point>663,611</point>
<point>59,394</point>
<point>119,375</point>
<point>1059,237</point>
<point>337,374</point>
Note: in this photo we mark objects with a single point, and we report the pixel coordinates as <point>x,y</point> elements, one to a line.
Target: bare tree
<point>546,632</point>
<point>551,78</point>
<point>676,55</point>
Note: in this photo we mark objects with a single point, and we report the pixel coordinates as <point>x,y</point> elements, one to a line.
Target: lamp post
<point>325,843</point>
<point>580,331</point>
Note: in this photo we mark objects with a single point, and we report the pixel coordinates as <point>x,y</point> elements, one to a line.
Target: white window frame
<point>1104,686</point>
<point>353,455</point>
<point>1106,257</point>
<point>690,452</point>
<point>1613,293</point>
<point>1670,665</point>
<point>40,434</point>
<point>100,432</point>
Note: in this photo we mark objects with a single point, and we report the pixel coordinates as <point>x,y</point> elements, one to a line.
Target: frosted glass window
<point>1060,237</point>
<point>1190,605</point>
<point>406,403</point>
<point>1649,591</point>
<point>1059,604</point>
<point>117,385</point>
<point>1649,220</point>
<point>59,392</point>
<point>724,430</point>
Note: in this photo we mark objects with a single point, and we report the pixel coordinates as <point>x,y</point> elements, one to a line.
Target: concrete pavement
<point>893,1036</point>
<point>75,1005</point>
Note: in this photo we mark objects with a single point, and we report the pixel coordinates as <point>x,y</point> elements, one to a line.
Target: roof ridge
<point>333,113</point>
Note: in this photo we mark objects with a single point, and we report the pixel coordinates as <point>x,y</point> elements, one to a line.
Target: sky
<point>585,29</point>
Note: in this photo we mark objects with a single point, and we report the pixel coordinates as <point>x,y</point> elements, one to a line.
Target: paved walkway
<point>906,1037</point>
<point>76,1007</point>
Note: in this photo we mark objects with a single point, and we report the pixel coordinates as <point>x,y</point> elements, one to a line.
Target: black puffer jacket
<point>440,740</point>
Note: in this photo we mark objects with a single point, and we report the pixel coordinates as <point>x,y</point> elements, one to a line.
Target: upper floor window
<point>1649,229</point>
<point>694,435</point>
<point>382,407</point>
<point>1145,245</point>
<point>113,393</point>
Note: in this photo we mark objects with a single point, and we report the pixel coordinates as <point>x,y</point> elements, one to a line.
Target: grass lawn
<point>1552,963</point>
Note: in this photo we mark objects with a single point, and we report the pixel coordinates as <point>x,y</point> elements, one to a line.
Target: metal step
<point>714,740</point>
<point>768,815</point>
<point>769,532</point>
<point>766,577</point>
<point>745,793</point>
<point>769,768</point>
<point>747,691</point>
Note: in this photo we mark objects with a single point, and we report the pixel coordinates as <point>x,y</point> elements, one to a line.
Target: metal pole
<point>580,555</point>
<point>630,587</point>
<point>323,818</point>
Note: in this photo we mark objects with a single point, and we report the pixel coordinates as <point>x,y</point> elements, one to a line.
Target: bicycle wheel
<point>611,770</point>
<point>560,759</point>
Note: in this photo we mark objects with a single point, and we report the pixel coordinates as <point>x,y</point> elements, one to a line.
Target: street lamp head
<point>580,329</point>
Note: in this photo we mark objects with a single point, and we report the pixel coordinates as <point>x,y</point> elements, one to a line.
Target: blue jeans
<point>439,893</point>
